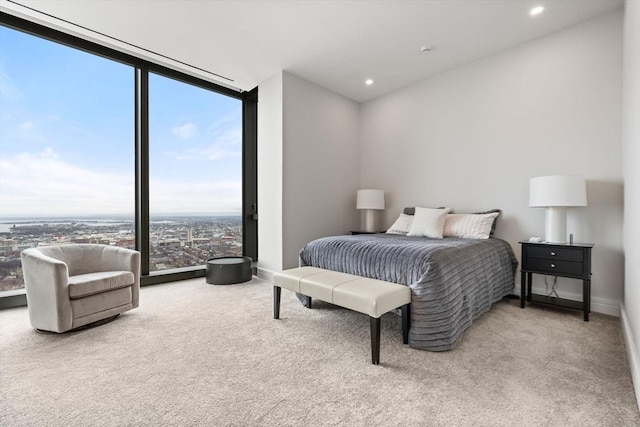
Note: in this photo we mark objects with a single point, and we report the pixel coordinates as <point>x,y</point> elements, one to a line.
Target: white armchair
<point>69,286</point>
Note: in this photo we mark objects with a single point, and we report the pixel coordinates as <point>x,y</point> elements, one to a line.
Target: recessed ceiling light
<point>368,82</point>
<point>536,11</point>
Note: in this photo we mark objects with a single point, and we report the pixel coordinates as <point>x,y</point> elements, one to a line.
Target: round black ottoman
<point>228,270</point>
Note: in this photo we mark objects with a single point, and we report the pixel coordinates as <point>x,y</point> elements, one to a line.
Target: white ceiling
<point>335,44</point>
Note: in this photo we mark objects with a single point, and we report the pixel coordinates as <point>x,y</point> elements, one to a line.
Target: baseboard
<point>265,274</point>
<point>598,305</point>
<point>632,353</point>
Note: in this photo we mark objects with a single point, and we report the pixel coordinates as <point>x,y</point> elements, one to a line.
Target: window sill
<point>14,298</point>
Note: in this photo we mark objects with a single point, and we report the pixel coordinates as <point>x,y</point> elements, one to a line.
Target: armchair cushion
<point>87,284</point>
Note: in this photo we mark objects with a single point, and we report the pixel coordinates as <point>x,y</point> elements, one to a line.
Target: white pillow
<point>469,226</point>
<point>428,222</point>
<point>402,225</point>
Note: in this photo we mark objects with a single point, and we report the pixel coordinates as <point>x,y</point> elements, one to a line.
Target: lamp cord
<point>553,287</point>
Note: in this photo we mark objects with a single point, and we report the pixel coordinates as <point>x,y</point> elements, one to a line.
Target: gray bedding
<point>452,280</point>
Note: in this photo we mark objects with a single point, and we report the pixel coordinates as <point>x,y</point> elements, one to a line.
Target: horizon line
<point>97,216</point>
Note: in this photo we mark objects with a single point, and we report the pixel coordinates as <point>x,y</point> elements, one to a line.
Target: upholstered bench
<point>368,296</point>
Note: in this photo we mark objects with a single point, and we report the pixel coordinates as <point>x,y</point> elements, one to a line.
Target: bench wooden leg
<point>307,301</point>
<point>406,322</point>
<point>276,301</point>
<point>375,340</point>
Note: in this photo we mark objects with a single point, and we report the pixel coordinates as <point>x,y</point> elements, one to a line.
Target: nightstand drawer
<point>563,254</point>
<point>554,267</point>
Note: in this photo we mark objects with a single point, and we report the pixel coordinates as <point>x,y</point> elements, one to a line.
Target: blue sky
<point>67,137</point>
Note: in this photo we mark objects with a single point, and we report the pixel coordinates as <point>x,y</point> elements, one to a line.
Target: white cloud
<point>221,139</point>
<point>227,143</point>
<point>48,153</point>
<point>195,197</point>
<point>186,131</point>
<point>43,185</point>
<point>26,126</point>
<point>227,121</point>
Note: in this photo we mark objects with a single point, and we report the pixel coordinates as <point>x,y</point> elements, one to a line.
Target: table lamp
<point>371,201</point>
<point>556,193</point>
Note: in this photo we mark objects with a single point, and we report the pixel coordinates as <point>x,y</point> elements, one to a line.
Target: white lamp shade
<point>370,199</point>
<point>557,190</point>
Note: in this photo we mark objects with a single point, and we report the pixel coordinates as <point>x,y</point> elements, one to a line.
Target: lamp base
<point>555,227</point>
<point>370,220</point>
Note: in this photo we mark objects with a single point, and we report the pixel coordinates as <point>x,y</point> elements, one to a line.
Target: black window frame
<point>142,68</point>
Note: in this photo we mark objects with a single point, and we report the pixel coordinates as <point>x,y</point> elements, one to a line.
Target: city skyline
<point>67,137</point>
<point>181,241</point>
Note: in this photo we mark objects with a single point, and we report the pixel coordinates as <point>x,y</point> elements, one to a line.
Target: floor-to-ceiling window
<point>74,166</point>
<point>66,149</point>
<point>195,174</point>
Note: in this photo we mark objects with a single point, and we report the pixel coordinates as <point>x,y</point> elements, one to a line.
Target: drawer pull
<point>553,254</point>
<point>553,266</point>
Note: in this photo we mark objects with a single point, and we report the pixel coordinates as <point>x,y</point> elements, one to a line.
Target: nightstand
<point>557,259</point>
<point>366,232</point>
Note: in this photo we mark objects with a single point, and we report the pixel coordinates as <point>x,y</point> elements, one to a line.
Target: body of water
<point>7,223</point>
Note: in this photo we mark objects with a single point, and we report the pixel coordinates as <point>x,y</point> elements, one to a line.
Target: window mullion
<point>142,166</point>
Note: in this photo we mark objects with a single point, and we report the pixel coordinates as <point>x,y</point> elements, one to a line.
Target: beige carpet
<point>201,355</point>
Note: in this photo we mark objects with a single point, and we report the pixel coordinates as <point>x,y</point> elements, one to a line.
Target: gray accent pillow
<point>412,211</point>
<point>409,211</point>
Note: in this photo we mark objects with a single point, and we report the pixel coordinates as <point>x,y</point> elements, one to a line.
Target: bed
<point>453,280</point>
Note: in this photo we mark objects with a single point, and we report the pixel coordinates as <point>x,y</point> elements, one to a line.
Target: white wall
<point>631,167</point>
<point>321,165</point>
<point>270,149</point>
<point>471,138</point>
<point>308,168</point>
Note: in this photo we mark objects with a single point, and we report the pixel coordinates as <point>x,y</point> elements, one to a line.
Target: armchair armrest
<point>123,259</point>
<point>46,280</point>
